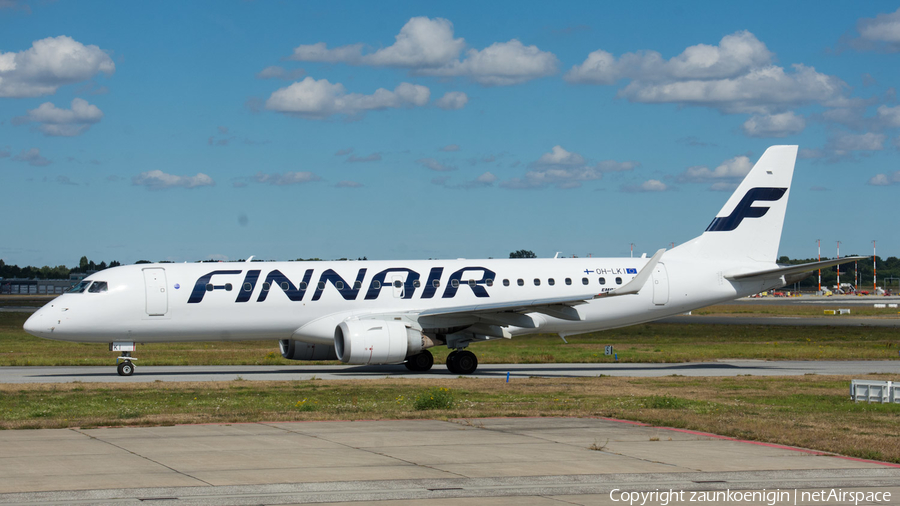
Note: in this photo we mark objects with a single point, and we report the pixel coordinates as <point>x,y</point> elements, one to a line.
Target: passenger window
<point>356,286</point>
<point>618,281</point>
<point>285,286</point>
<point>520,282</point>
<point>537,282</point>
<point>339,285</point>
<point>505,282</point>
<point>602,281</point>
<point>97,287</point>
<point>436,283</point>
<point>471,282</point>
<point>209,287</point>
<point>248,287</point>
<point>568,281</point>
<point>398,284</point>
<point>454,283</point>
<point>489,282</point>
<point>376,284</point>
<point>416,284</point>
<point>228,287</point>
<point>551,281</point>
<point>302,285</point>
<point>80,287</point>
<point>584,281</point>
<point>321,285</point>
<point>266,287</point>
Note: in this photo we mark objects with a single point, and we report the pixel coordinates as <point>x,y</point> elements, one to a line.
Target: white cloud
<point>485,180</point>
<point>736,76</point>
<point>564,169</point>
<point>652,185</point>
<point>774,125</point>
<point>888,117</point>
<point>450,147</point>
<point>348,184</point>
<point>858,142</point>
<point>735,55</point>
<point>49,64</point>
<point>63,122</point>
<point>32,157</point>
<point>879,33</point>
<point>276,72</point>
<point>722,186</point>
<point>374,157</point>
<point>733,169</point>
<point>500,64</point>
<point>762,90</point>
<point>320,99</point>
<point>288,178</point>
<point>452,100</point>
<point>428,47</point>
<point>422,42</point>
<point>885,179</point>
<point>435,165</point>
<point>159,180</point>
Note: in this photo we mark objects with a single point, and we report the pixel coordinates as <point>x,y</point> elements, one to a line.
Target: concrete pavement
<point>498,461</point>
<point>108,374</point>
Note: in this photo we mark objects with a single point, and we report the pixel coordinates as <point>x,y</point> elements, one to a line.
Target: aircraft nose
<point>34,324</point>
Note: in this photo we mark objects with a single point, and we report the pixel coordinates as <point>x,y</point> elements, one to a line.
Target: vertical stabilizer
<point>749,225</point>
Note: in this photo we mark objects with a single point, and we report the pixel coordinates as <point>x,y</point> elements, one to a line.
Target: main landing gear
<point>420,362</point>
<point>462,362</point>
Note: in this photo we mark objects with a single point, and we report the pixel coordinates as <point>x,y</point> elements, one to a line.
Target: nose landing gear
<point>124,363</point>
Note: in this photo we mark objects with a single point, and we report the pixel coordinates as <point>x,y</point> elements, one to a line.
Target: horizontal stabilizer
<point>792,269</point>
<point>638,282</point>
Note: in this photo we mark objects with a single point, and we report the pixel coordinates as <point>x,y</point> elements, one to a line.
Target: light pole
<point>819,243</point>
<point>632,250</point>
<point>839,267</point>
<point>874,273</point>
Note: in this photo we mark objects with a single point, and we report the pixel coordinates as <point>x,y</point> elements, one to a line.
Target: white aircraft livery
<point>389,312</point>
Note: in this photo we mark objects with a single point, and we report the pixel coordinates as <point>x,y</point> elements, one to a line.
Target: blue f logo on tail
<point>745,209</point>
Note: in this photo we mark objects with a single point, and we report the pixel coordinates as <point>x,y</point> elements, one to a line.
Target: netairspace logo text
<point>769,497</point>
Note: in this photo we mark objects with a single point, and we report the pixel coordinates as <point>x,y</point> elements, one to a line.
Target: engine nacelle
<point>377,342</point>
<point>298,350</point>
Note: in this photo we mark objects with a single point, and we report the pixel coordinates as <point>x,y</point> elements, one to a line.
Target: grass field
<point>653,342</point>
<point>807,411</point>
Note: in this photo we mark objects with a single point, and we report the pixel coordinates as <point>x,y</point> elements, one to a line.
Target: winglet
<point>635,285</point>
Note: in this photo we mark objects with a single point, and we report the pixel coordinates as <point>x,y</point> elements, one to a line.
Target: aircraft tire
<point>420,362</point>
<point>466,362</point>
<point>452,362</point>
<point>125,368</point>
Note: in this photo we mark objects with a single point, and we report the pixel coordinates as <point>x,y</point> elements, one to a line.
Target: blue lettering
<point>200,286</point>
<point>347,292</point>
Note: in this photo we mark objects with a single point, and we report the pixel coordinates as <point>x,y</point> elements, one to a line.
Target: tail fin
<point>749,225</point>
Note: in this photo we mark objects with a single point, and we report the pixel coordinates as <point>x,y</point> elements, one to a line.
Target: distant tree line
<point>47,272</point>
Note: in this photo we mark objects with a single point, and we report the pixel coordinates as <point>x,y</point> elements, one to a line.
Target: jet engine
<point>298,350</point>
<point>377,342</point>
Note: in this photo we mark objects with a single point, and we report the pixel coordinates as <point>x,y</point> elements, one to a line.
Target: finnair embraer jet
<point>386,312</point>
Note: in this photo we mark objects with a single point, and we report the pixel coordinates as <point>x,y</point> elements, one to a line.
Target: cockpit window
<point>98,287</point>
<point>80,287</point>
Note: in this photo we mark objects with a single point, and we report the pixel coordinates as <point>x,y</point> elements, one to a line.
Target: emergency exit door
<point>155,290</point>
<point>660,285</point>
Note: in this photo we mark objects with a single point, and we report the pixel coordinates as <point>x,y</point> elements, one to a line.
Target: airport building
<point>15,286</point>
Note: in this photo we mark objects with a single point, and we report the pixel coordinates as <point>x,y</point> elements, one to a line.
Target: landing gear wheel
<point>466,362</point>
<point>451,362</point>
<point>125,368</point>
<point>420,362</point>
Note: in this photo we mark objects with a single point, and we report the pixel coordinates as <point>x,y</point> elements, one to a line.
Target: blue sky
<point>220,130</point>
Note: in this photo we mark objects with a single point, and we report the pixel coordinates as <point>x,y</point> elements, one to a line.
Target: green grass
<point>808,411</point>
<point>653,342</point>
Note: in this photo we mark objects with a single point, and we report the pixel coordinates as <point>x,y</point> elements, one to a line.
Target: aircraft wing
<point>792,269</point>
<point>558,307</point>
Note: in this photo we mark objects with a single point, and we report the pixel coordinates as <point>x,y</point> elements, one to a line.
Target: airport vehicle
<point>384,312</point>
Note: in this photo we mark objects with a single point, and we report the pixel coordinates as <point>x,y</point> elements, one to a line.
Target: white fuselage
<point>267,300</point>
